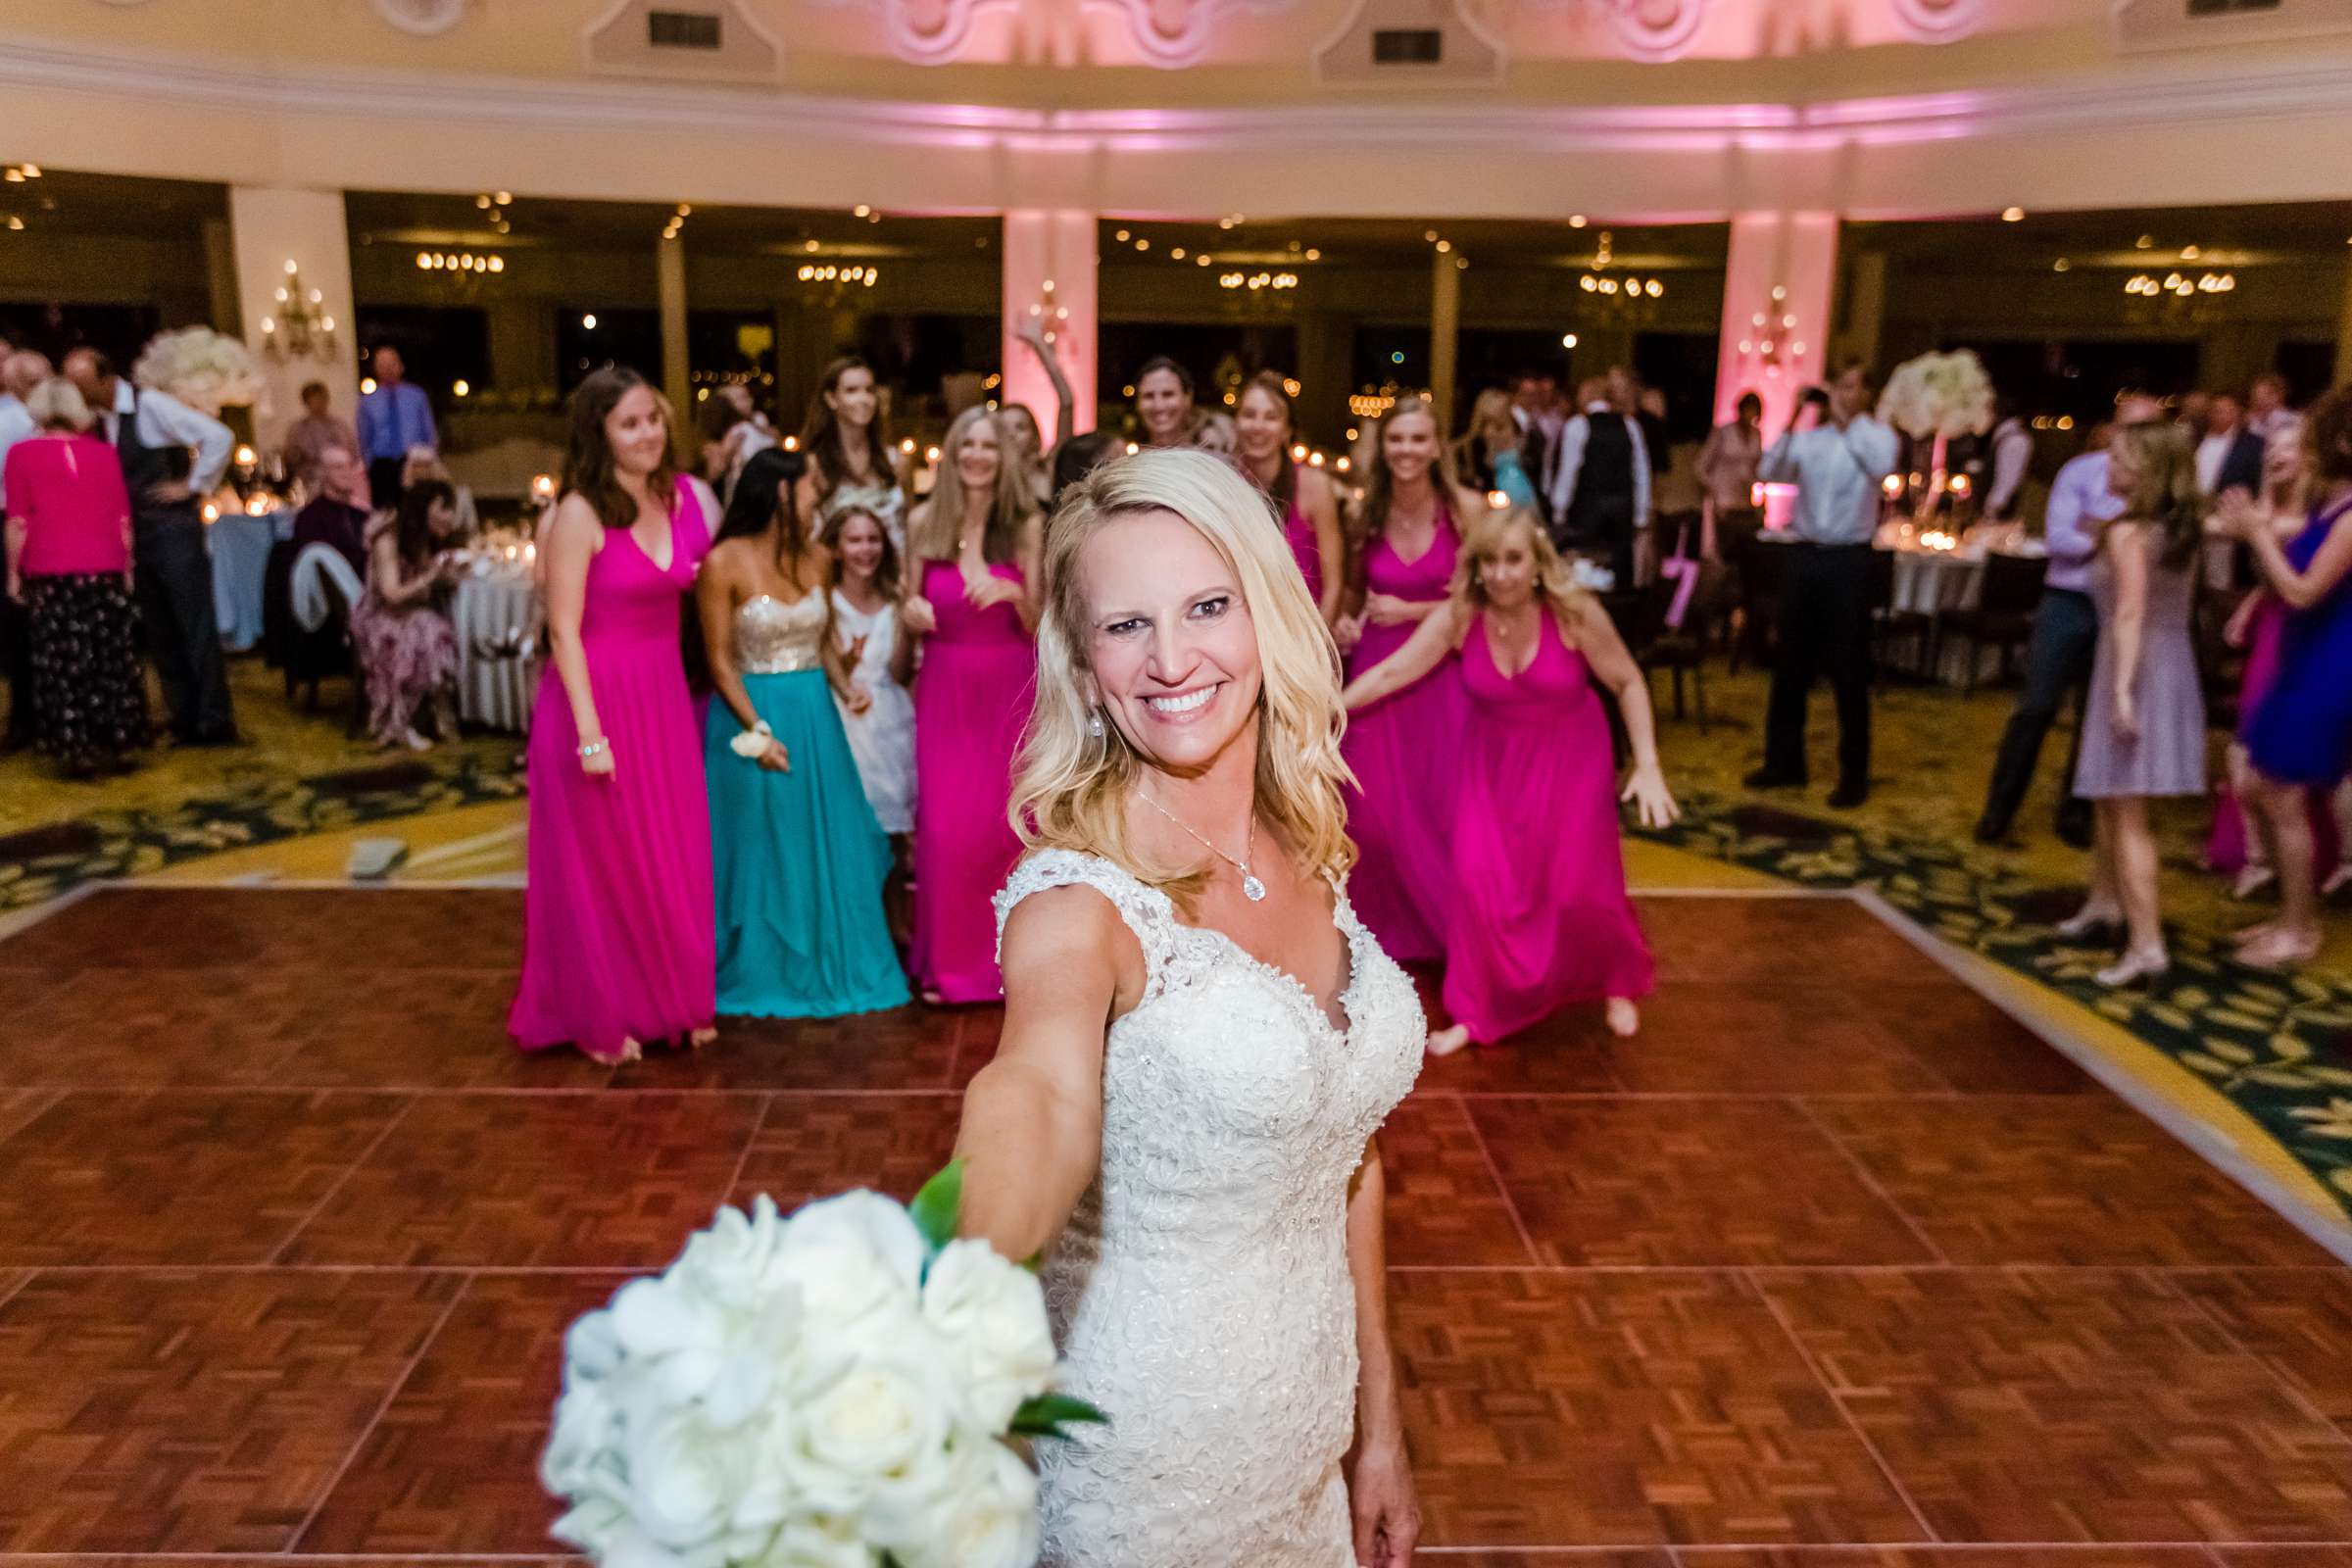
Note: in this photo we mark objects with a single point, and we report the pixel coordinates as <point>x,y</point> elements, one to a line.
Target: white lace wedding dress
<point>1200,1292</point>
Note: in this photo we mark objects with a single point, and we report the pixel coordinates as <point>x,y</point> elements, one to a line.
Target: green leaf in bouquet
<point>936,1206</point>
<point>1045,1415</point>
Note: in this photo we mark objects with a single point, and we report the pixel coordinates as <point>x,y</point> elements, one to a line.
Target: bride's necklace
<point>1252,888</point>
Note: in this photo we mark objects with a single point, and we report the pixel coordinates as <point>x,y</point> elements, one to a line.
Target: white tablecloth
<point>495,613</point>
<point>1927,582</point>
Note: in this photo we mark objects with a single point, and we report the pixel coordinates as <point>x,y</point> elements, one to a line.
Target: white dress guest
<point>882,738</point>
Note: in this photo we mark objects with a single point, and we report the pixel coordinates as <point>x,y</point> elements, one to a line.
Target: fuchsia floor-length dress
<point>1540,918</point>
<point>971,700</point>
<point>1402,749</point>
<point>617,914</point>
<point>1299,531</point>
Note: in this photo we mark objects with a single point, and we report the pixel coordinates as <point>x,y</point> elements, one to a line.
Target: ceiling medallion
<point>1938,21</point>
<point>424,18</point>
<point>1173,32</point>
<point>1656,29</point>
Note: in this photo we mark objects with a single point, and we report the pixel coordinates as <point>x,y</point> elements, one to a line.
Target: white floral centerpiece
<point>833,1389</point>
<point>200,367</point>
<point>1936,397</point>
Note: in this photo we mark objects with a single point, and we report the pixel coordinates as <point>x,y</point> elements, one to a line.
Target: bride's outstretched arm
<point>1032,1132</point>
<point>1380,1494</point>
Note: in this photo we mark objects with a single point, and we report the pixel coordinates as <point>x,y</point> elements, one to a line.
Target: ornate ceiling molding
<point>1658,30</point>
<point>426,19</point>
<point>926,32</point>
<point>1175,33</point>
<point>165,78</point>
<point>1938,21</point>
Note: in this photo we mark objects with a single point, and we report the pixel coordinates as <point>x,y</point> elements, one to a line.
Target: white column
<point>1050,276</point>
<point>1777,286</point>
<point>1444,331</point>
<point>669,268</point>
<point>280,235</point>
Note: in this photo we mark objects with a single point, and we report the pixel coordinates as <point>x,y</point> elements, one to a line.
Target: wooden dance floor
<point>1833,1256</point>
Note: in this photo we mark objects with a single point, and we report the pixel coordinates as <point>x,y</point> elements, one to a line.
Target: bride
<point>1200,1041</point>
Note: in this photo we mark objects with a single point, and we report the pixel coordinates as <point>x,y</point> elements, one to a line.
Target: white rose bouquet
<point>1938,395</point>
<point>201,367</point>
<point>829,1390</point>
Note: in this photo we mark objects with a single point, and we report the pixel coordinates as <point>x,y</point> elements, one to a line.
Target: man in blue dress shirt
<point>394,420</point>
<point>2066,637</point>
<point>1837,456</point>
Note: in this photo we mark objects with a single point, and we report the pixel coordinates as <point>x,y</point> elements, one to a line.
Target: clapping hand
<point>1653,802</point>
<point>2238,515</point>
<point>989,590</point>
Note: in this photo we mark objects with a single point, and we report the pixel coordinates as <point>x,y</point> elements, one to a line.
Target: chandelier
<point>301,329</point>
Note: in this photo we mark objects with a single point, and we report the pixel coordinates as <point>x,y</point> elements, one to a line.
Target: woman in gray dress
<point>2143,731</point>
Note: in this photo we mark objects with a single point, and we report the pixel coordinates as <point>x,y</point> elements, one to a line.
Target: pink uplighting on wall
<point>1778,280</point>
<point>1049,281</point>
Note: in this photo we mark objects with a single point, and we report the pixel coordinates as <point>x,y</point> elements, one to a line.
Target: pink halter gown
<point>1541,916</point>
<point>1402,749</point>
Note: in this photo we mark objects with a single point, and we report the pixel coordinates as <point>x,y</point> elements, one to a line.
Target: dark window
<point>117,331</point>
<point>1400,46</point>
<point>620,336</point>
<point>439,345</point>
<point>2226,8</point>
<point>682,29</point>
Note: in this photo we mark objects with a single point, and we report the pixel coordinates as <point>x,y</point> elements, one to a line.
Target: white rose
<point>591,1346</point>
<point>685,1478</point>
<point>729,1261</point>
<point>679,1334</point>
<point>587,1423</point>
<point>591,1524</point>
<point>988,1519</point>
<point>849,1256</point>
<point>879,1425</point>
<point>992,1314</point>
<point>825,1541</point>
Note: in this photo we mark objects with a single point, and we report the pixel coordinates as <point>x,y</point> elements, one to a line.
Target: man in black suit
<point>2230,455</point>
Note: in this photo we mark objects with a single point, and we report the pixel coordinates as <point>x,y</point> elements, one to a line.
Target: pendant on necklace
<point>1252,889</point>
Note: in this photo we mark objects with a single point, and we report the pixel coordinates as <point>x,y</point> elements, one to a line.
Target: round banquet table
<point>495,612</point>
<point>1929,582</point>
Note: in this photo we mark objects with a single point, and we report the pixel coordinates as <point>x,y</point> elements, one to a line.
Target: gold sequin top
<point>775,638</point>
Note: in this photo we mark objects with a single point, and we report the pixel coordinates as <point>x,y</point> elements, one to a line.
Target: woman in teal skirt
<point>799,860</point>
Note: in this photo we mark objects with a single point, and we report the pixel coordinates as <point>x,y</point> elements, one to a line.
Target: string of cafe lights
<point>1257,279</point>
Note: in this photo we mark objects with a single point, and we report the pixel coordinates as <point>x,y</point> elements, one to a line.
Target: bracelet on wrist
<point>594,748</point>
<point>752,744</point>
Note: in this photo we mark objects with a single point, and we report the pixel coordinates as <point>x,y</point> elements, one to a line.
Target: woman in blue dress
<point>797,857</point>
<point>2300,737</point>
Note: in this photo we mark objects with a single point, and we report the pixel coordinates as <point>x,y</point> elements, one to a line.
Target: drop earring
<point>1093,723</point>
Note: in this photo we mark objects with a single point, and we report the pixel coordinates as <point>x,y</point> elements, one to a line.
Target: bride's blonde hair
<point>1070,786</point>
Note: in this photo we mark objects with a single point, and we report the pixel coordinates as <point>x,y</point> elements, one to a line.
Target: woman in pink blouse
<point>69,563</point>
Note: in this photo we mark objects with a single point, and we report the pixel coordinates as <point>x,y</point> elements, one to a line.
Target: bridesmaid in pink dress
<point>619,944</point>
<point>1402,747</point>
<point>974,545</point>
<point>1540,917</point>
<point>1310,509</point>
